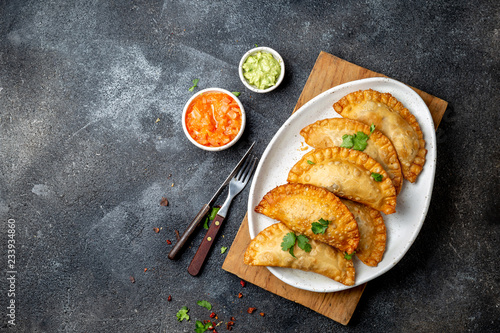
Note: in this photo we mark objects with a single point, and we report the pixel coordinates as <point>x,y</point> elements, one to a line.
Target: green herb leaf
<point>347,141</point>
<point>360,141</point>
<point>195,84</point>
<point>303,243</point>
<point>182,314</point>
<point>288,241</point>
<point>310,162</point>
<point>349,256</point>
<point>372,128</point>
<point>320,226</point>
<point>291,252</point>
<point>377,176</point>
<point>223,249</point>
<point>236,93</point>
<point>205,304</point>
<point>256,45</point>
<point>200,327</point>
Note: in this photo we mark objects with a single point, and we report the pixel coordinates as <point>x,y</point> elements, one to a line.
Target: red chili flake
<point>233,319</point>
<point>212,315</point>
<point>132,279</point>
<point>145,269</point>
<point>169,298</point>
<point>214,331</point>
<point>177,234</point>
<point>251,310</point>
<point>240,295</point>
<point>156,230</point>
<point>262,314</point>
<point>243,283</point>
<point>229,325</point>
<point>169,242</point>
<point>164,202</point>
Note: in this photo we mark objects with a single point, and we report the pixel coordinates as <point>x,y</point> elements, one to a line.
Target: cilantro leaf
<point>291,252</point>
<point>288,241</point>
<point>347,141</point>
<point>360,141</point>
<point>303,243</point>
<point>320,226</point>
<point>200,327</point>
<point>223,249</point>
<point>349,256</point>
<point>377,176</point>
<point>195,84</point>
<point>310,162</point>
<point>205,304</point>
<point>182,314</point>
<point>236,93</point>
<point>372,128</point>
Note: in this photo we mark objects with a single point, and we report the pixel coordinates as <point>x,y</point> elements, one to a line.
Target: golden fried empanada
<point>372,232</point>
<point>299,206</point>
<point>265,250</point>
<point>347,173</point>
<point>393,120</point>
<point>329,132</point>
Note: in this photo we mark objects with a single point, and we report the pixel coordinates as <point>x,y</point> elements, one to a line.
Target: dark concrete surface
<point>84,163</point>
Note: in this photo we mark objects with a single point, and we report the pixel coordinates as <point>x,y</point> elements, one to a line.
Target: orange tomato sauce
<point>213,119</point>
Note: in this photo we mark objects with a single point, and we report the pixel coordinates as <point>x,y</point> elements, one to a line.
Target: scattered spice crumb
<point>172,185</point>
<point>132,279</point>
<point>251,310</point>
<point>145,269</point>
<point>169,242</point>
<point>212,315</point>
<point>262,314</point>
<point>233,319</point>
<point>156,230</point>
<point>157,120</point>
<point>170,175</point>
<point>164,202</point>
<point>229,325</point>
<point>240,295</point>
<point>243,283</point>
<point>177,234</point>
<point>169,298</point>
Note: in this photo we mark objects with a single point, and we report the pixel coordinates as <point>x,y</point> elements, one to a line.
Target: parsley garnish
<point>200,327</point>
<point>236,93</point>
<point>182,314</point>
<point>303,243</point>
<point>195,84</point>
<point>348,256</point>
<point>377,176</point>
<point>223,249</point>
<point>357,141</point>
<point>310,162</point>
<point>205,304</point>
<point>210,217</point>
<point>289,242</point>
<point>320,226</point>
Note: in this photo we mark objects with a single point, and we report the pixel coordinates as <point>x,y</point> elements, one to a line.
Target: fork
<point>236,185</point>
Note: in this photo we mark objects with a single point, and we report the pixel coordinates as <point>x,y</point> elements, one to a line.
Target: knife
<point>174,253</point>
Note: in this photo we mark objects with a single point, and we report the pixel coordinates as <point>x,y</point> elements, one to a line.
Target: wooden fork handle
<point>205,246</point>
<point>189,231</point>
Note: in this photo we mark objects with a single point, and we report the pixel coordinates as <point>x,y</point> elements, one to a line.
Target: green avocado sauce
<point>261,70</point>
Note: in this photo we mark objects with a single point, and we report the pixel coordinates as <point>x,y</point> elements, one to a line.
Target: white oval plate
<point>412,203</point>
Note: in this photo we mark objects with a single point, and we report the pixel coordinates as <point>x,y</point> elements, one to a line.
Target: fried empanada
<point>393,120</point>
<point>372,232</point>
<point>298,206</point>
<point>265,250</point>
<point>347,173</point>
<point>329,132</point>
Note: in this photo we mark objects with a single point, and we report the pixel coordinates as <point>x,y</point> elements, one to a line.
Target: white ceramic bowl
<point>275,55</point>
<point>229,144</point>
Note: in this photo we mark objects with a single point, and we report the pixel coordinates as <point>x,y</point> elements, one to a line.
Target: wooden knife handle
<point>200,256</point>
<point>189,231</point>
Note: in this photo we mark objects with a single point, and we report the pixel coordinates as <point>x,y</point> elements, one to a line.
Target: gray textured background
<point>84,164</point>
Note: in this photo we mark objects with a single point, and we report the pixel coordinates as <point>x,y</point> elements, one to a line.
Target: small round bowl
<point>227,145</point>
<point>276,56</point>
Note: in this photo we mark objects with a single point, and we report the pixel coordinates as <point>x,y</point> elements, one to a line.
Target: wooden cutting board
<point>328,71</point>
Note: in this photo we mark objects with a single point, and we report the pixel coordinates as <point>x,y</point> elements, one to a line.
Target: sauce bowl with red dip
<point>213,119</point>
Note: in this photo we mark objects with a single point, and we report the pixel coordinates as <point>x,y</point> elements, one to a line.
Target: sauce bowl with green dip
<point>261,69</point>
